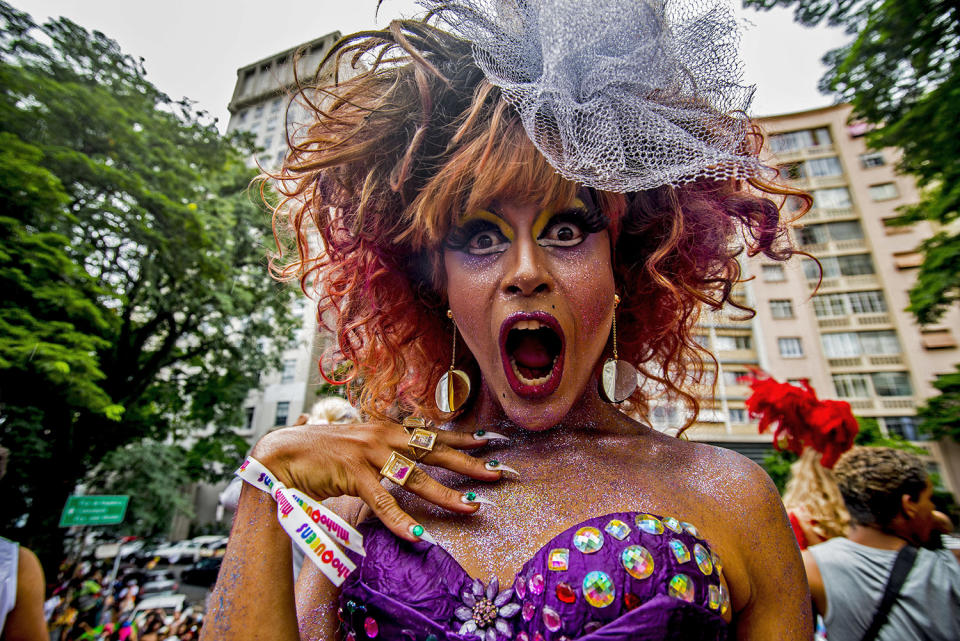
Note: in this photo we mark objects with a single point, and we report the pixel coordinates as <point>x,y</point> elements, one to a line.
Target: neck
<point>588,413</point>
<point>874,537</point>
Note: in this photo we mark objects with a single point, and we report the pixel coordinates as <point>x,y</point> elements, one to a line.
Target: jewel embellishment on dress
<point>649,523</point>
<point>528,611</point>
<point>672,524</point>
<point>680,551</point>
<point>565,593</point>
<point>485,610</point>
<point>522,636</point>
<point>713,596</point>
<point>702,557</point>
<point>692,531</point>
<point>724,600</point>
<point>551,619</point>
<point>520,586</point>
<point>598,589</point>
<point>637,561</point>
<point>631,601</point>
<point>716,561</point>
<point>558,559</point>
<point>617,529</point>
<point>536,584</point>
<point>588,540</point>
<point>681,587</point>
<point>371,628</point>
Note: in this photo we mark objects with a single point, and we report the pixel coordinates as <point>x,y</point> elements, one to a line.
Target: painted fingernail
<point>471,498</point>
<point>496,466</point>
<point>417,530</point>
<point>484,435</point>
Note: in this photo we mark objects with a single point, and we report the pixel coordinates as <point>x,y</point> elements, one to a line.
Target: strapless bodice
<point>621,576</point>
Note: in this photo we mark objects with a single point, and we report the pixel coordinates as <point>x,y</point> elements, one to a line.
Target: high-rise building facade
<point>848,333</point>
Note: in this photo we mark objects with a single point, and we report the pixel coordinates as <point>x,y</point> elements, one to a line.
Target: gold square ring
<point>398,468</point>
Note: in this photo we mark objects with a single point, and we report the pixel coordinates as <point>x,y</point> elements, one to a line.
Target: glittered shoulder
<point>609,577</point>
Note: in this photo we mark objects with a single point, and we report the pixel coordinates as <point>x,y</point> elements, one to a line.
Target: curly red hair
<point>395,154</point>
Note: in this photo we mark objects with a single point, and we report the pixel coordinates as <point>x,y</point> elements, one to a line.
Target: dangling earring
<point>453,388</point>
<point>618,379</point>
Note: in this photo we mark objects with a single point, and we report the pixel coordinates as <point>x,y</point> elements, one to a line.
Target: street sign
<point>94,510</point>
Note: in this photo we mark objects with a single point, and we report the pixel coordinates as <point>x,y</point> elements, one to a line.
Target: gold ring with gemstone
<point>398,468</point>
<point>412,422</point>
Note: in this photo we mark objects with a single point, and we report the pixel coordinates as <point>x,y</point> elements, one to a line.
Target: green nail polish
<point>471,496</point>
<point>493,463</point>
<point>417,530</point>
<point>480,433</point>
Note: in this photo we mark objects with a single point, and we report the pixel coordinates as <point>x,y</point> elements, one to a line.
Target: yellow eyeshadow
<point>546,215</point>
<point>483,214</point>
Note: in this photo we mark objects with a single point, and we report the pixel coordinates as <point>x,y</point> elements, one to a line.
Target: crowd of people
<point>84,605</point>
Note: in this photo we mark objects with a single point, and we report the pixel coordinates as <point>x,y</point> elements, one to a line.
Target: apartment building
<point>847,333</point>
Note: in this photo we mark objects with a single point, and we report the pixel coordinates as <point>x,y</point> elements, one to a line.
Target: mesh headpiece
<point>620,95</point>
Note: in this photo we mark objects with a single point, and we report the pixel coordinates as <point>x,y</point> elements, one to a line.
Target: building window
<point>826,232</point>
<point>258,111</point>
<point>289,369</point>
<point>730,343</point>
<point>836,266</point>
<point>803,139</point>
<point>907,260</point>
<point>851,385</point>
<point>773,273</point>
<point>275,105</point>
<point>891,384</point>
<point>872,159</point>
<point>248,418</point>
<point>732,377</point>
<point>903,426</point>
<point>738,415</point>
<point>823,167</point>
<point>790,347</point>
<point>884,191</point>
<point>833,198</point>
<point>937,339</point>
<point>242,116</point>
<point>868,302</point>
<point>793,171</point>
<point>283,413</point>
<point>781,308</point>
<point>267,142</point>
<point>850,344</point>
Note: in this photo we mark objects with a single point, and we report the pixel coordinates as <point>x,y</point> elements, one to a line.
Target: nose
<point>527,272</point>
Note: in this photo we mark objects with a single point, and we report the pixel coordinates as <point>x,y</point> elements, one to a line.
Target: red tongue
<point>532,353</point>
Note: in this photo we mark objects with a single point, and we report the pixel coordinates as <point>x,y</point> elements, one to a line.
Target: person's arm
<point>253,597</point>
<point>817,591</point>
<point>26,621</point>
<point>776,604</point>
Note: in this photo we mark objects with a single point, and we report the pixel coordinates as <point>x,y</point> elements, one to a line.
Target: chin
<point>537,416</point>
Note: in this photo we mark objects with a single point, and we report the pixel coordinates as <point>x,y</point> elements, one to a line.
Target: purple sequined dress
<point>611,578</point>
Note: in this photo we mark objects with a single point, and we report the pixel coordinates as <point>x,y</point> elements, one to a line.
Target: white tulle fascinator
<point>620,95</point>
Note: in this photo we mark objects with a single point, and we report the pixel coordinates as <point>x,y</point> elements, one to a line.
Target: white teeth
<point>527,324</point>
<point>530,381</point>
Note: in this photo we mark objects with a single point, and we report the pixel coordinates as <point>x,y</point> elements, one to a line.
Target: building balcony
<point>833,246</point>
<point>857,320</point>
<point>817,214</point>
<point>895,403</point>
<point>845,283</point>
<point>856,362</point>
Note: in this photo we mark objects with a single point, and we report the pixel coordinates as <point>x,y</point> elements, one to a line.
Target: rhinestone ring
<point>398,468</point>
<point>421,442</point>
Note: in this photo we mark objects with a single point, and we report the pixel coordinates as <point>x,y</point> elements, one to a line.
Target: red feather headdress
<point>802,420</point>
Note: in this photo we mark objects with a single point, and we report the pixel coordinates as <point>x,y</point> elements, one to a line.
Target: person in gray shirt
<point>888,495</point>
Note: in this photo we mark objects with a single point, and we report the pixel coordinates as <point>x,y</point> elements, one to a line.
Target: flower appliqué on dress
<point>485,611</point>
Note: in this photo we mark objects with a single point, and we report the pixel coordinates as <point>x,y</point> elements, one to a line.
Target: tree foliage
<point>940,415</point>
<point>136,299</point>
<point>901,72</point>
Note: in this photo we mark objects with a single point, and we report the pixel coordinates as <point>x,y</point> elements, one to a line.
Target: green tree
<point>901,72</point>
<point>940,415</point>
<point>136,301</point>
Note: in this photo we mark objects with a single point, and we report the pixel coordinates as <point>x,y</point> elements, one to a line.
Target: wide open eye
<point>561,233</point>
<point>487,241</point>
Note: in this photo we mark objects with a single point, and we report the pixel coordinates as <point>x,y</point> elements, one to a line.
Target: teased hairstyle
<point>873,481</point>
<point>812,490</point>
<point>396,153</point>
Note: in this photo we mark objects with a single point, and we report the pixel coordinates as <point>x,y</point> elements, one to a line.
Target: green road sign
<point>94,510</point>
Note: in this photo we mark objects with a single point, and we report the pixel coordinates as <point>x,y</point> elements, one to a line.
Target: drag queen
<point>523,206</point>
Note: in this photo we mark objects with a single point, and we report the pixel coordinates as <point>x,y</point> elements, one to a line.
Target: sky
<point>193,48</point>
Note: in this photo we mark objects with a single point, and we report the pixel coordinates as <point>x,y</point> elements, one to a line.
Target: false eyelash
<point>589,220</point>
<point>458,237</point>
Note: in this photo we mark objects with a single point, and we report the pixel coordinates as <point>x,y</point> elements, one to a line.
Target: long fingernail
<point>417,530</point>
<point>496,466</point>
<point>471,498</point>
<point>484,435</point>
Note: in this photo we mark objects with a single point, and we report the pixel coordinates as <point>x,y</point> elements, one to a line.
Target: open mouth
<point>531,347</point>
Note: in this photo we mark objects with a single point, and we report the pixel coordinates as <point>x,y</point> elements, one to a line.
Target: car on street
<point>212,547</point>
<point>168,603</point>
<point>173,553</point>
<point>204,572</point>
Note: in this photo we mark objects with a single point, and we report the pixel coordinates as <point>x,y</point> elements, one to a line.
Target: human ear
<point>908,506</point>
